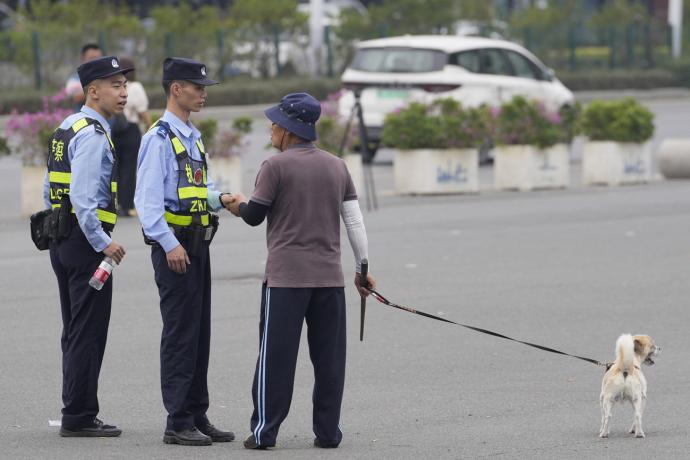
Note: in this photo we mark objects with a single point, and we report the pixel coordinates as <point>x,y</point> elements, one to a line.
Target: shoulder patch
<point>162,128</point>
<point>98,128</point>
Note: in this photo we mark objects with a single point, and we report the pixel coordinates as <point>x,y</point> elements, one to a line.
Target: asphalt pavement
<point>569,269</point>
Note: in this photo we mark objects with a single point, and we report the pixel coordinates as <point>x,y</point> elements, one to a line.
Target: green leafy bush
<point>524,122</point>
<point>330,129</point>
<point>208,127</point>
<point>463,128</point>
<point>414,127</point>
<point>4,147</point>
<point>623,120</point>
<point>443,124</point>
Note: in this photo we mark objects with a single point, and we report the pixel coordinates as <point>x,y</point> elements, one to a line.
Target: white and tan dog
<point>624,380</point>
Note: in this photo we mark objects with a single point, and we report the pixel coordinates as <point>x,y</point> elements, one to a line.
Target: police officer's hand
<point>115,252</point>
<point>234,206</point>
<point>178,259</point>
<point>372,284</point>
<point>226,199</point>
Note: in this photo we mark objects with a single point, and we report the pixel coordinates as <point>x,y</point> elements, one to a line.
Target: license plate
<point>393,94</point>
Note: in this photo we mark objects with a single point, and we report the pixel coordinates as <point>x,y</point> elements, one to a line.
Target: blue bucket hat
<point>298,113</point>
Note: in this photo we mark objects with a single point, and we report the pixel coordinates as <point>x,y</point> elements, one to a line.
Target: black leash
<point>385,301</point>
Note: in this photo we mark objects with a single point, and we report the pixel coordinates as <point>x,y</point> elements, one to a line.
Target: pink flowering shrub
<point>232,142</point>
<point>330,129</point>
<point>444,124</point>
<point>28,133</point>
<point>524,122</point>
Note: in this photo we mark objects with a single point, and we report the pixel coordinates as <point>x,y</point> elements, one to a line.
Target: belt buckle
<point>208,234</point>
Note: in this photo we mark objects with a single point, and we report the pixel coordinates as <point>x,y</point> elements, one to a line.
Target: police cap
<point>102,67</point>
<point>186,69</point>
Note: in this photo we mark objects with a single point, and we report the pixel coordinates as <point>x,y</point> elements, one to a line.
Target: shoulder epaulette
<point>162,128</point>
<point>98,128</point>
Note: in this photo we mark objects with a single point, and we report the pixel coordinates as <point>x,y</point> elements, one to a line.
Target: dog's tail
<point>625,353</point>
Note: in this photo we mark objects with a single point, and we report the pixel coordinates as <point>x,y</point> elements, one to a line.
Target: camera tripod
<point>364,150</point>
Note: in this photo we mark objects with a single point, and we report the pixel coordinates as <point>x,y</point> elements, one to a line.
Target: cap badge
<point>203,71</point>
<point>115,64</point>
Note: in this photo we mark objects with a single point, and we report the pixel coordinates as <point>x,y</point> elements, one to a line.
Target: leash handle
<point>364,271</point>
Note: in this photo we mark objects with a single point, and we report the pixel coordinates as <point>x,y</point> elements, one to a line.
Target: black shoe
<point>96,429</point>
<point>215,434</point>
<point>250,443</point>
<point>317,443</point>
<point>191,437</point>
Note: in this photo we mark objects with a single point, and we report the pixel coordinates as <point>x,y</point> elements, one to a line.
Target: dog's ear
<point>639,345</point>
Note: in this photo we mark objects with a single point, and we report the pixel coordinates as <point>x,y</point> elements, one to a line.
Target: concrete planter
<point>526,167</point>
<point>436,171</point>
<point>616,163</point>
<point>353,162</point>
<point>226,173</point>
<point>32,189</point>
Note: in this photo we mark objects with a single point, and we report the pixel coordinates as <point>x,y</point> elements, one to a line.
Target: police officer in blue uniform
<point>80,187</point>
<point>173,198</point>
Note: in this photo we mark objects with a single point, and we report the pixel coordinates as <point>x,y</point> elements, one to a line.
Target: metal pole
<point>315,35</point>
<point>329,51</point>
<point>36,49</point>
<point>276,46</point>
<point>675,20</point>
<point>221,54</point>
<point>168,44</point>
<point>102,42</point>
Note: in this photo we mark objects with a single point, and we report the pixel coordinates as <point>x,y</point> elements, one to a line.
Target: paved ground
<point>568,269</point>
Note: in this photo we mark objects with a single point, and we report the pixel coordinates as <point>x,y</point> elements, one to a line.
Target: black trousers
<point>85,319</point>
<point>185,303</point>
<point>283,311</point>
<point>127,148</point>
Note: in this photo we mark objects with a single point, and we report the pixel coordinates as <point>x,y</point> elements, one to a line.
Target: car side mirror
<point>549,74</point>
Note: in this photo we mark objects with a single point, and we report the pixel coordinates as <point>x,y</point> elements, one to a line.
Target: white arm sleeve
<point>356,233</point>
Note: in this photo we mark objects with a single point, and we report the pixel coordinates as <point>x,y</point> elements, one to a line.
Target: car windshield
<point>398,60</point>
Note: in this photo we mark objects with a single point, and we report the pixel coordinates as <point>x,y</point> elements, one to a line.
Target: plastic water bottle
<point>102,273</point>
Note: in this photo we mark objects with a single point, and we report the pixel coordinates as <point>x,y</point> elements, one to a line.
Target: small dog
<point>624,380</point>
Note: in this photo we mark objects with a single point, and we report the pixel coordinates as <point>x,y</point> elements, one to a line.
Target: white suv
<point>389,73</point>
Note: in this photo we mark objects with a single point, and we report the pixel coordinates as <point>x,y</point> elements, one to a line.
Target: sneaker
<point>215,434</point>
<point>250,443</point>
<point>191,437</point>
<point>97,429</point>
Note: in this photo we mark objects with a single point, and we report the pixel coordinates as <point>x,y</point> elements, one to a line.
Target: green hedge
<point>621,79</point>
<point>230,92</point>
<point>254,91</point>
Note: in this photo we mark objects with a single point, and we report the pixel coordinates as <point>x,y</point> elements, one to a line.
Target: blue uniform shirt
<point>157,175</point>
<point>92,164</point>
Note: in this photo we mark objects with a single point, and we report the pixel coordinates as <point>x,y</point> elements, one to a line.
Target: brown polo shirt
<point>304,188</point>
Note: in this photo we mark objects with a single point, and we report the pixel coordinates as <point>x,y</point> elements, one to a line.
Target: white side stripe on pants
<point>261,390</point>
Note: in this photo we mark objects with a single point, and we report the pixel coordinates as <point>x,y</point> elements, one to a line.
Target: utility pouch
<point>194,239</point>
<point>214,219</point>
<point>39,224</point>
<point>64,218</point>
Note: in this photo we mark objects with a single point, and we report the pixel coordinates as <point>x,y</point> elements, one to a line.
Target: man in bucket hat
<point>303,191</point>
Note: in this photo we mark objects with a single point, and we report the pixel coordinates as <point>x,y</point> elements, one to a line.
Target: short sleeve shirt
<point>304,188</point>
<point>137,102</point>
